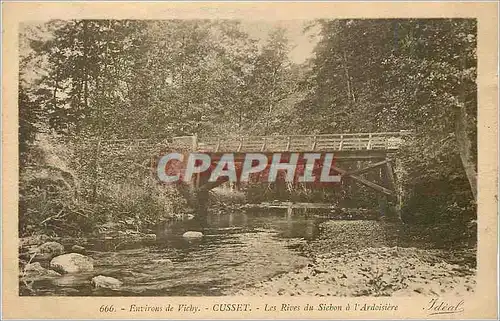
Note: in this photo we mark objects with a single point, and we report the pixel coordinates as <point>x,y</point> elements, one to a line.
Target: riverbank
<point>365,258</point>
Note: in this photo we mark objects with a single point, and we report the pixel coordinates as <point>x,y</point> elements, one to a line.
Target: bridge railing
<point>301,143</point>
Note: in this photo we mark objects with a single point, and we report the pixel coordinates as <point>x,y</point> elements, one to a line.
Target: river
<point>237,250</point>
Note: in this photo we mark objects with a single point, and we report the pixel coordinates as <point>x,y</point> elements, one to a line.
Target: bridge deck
<point>388,141</point>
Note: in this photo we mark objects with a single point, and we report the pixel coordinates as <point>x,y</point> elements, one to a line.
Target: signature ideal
<point>437,306</point>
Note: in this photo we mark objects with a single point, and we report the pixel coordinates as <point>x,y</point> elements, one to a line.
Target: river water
<point>237,250</point>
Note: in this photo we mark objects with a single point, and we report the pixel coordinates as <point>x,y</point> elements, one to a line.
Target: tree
<point>271,83</point>
<point>380,75</point>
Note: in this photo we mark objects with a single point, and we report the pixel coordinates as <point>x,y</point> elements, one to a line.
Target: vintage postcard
<point>267,160</point>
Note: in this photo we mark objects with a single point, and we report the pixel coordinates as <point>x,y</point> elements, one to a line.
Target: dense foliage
<point>98,80</point>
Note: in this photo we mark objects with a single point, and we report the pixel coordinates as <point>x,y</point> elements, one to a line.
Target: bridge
<point>353,145</point>
<point>375,150</point>
<point>368,159</point>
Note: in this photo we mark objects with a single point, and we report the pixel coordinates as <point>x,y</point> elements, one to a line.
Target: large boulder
<point>192,235</point>
<point>72,263</point>
<point>107,282</point>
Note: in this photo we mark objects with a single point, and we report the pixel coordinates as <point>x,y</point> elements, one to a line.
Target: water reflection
<point>238,249</point>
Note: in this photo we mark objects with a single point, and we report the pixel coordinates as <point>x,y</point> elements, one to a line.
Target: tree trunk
<point>85,71</point>
<point>271,101</point>
<point>86,61</point>
<point>464,147</point>
<point>350,89</point>
<point>463,140</point>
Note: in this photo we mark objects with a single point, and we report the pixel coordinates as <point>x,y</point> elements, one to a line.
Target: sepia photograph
<point>223,166</point>
<point>393,100</point>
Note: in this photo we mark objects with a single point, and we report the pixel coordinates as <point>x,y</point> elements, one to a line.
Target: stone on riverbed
<point>192,235</point>
<point>34,271</point>
<point>159,264</point>
<point>47,251</point>
<point>162,261</point>
<point>107,282</point>
<point>78,249</point>
<point>151,237</point>
<point>72,263</point>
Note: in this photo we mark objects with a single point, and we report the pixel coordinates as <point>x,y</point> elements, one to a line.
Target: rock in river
<point>78,249</point>
<point>192,235</point>
<point>107,282</point>
<point>48,250</point>
<point>34,271</point>
<point>162,261</point>
<point>72,263</point>
<point>151,237</point>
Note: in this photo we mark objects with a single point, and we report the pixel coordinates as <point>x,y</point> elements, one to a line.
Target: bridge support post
<point>198,198</point>
<point>398,169</point>
<point>200,205</point>
<point>393,212</point>
<point>382,200</point>
<point>289,212</point>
